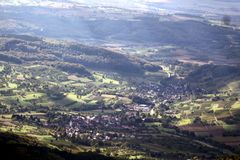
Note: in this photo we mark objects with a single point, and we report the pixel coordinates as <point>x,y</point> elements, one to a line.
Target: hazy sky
<point>126,3</point>
<point>206,5</point>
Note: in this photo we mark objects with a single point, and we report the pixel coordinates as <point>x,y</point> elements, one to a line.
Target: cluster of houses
<point>104,127</point>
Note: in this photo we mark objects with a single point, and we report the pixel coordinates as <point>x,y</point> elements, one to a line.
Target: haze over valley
<point>130,79</point>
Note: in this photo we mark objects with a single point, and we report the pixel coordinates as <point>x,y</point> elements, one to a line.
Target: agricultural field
<point>120,79</point>
<point>213,115</point>
<point>30,89</point>
<point>65,98</point>
<point>36,100</point>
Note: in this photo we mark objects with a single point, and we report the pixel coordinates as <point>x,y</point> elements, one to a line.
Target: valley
<point>133,80</point>
<point>76,105</point>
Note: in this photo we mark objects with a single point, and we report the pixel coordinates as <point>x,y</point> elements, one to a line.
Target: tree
<point>226,20</point>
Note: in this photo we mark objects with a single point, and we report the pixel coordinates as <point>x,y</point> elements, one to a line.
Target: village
<point>103,111</point>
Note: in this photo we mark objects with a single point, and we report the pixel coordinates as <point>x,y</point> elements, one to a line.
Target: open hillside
<point>22,148</point>
<point>120,79</point>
